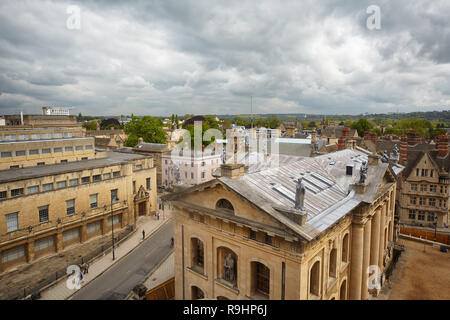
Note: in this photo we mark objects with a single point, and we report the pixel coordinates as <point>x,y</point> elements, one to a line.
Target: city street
<point>120,279</point>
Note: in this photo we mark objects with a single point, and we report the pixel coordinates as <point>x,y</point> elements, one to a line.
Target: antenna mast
<point>251,110</point>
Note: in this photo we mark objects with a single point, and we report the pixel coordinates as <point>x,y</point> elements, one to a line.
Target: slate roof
<point>151,147</point>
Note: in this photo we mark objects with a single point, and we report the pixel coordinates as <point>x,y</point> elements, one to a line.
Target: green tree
<point>90,125</point>
<point>147,128</point>
<point>361,126</point>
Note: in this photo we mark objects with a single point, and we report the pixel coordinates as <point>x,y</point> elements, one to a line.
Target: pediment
<point>141,194</point>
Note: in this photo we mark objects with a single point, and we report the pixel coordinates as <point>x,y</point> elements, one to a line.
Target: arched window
<point>345,248</point>
<point>314,279</point>
<point>225,204</point>
<point>197,254</point>
<point>197,293</point>
<point>390,230</point>
<point>343,291</point>
<point>227,264</point>
<point>333,261</point>
<point>260,279</point>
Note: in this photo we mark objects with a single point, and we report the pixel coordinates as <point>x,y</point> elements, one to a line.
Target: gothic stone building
<point>306,230</point>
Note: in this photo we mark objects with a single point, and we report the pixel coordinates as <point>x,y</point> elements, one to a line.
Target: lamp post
<point>112,224</point>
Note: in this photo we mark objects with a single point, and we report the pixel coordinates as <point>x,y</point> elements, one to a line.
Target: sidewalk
<point>147,223</point>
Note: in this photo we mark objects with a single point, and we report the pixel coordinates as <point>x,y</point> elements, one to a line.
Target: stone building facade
<point>267,235</point>
<point>46,209</point>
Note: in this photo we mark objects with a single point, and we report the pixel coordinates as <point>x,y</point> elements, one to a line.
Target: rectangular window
<point>23,137</point>
<point>430,216</point>
<point>3,194</point>
<point>414,187</point>
<point>432,202</point>
<point>78,148</point>
<point>93,199</point>
<point>41,163</point>
<point>57,135</point>
<point>116,220</point>
<point>96,178</point>
<point>417,172</point>
<point>423,188</point>
<point>85,179</point>
<point>33,189</point>
<point>46,136</point>
<point>71,234</point>
<point>70,207</point>
<point>203,163</point>
<point>20,153</point>
<point>67,134</point>
<point>47,187</point>
<point>431,173</point>
<point>192,175</point>
<point>412,200</point>
<point>106,176</point>
<point>412,214</point>
<point>68,149</point>
<point>43,214</point>
<point>10,137</point>
<point>73,182</point>
<point>148,183</point>
<point>421,216</point>
<point>114,195</point>
<point>84,158</point>
<point>14,167</point>
<point>116,174</point>
<point>61,184</point>
<point>88,147</point>
<point>203,175</point>
<point>16,192</point>
<point>6,154</point>
<point>13,254</point>
<point>138,167</point>
<point>252,234</point>
<point>268,239</point>
<point>93,227</point>
<point>35,136</point>
<point>63,161</point>
<point>12,222</point>
<point>44,243</point>
<point>33,152</point>
<point>433,188</point>
<point>422,201</point>
<point>46,151</point>
<point>57,150</point>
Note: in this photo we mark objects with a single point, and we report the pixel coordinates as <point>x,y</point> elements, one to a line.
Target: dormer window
<point>349,170</point>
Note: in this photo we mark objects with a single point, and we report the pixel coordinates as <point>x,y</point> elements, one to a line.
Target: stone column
<point>366,259</point>
<point>356,262</point>
<point>30,250</point>
<point>375,238</point>
<point>105,225</point>
<point>59,242</point>
<point>83,233</point>
<point>381,235</point>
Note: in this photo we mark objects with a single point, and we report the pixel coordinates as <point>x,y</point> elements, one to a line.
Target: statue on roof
<point>363,172</point>
<point>385,157</point>
<point>299,195</point>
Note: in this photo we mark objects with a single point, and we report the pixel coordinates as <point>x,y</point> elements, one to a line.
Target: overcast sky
<point>203,57</point>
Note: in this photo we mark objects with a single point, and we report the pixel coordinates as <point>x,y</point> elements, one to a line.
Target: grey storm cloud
<point>172,56</point>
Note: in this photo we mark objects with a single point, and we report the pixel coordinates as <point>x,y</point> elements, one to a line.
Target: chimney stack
<point>346,132</point>
<point>232,170</point>
<point>370,135</point>
<point>442,145</point>
<point>403,149</point>
<point>341,143</point>
<point>413,138</point>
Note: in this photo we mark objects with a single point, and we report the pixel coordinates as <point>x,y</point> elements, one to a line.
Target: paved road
<point>117,282</point>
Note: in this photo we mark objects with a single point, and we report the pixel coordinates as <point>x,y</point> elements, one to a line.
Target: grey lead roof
<point>328,189</point>
<point>112,158</point>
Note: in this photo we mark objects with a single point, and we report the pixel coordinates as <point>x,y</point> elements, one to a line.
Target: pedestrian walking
<point>143,234</point>
<point>86,267</point>
<point>157,216</point>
